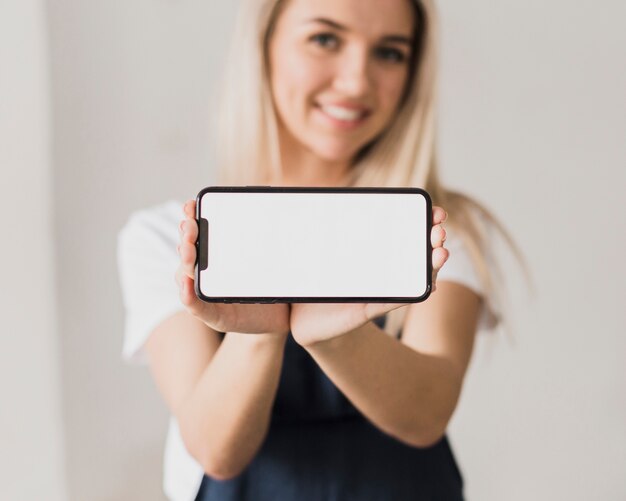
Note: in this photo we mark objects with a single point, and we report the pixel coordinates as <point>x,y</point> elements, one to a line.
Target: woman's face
<point>338,71</point>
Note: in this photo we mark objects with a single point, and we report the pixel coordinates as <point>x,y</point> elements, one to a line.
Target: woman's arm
<point>221,393</point>
<point>409,389</point>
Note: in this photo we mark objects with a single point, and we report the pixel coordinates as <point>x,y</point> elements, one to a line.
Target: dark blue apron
<point>320,448</point>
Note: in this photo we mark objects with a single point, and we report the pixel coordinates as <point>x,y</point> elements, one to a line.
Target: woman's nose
<point>353,74</point>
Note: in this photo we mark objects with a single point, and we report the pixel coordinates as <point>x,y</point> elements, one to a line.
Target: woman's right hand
<point>234,317</point>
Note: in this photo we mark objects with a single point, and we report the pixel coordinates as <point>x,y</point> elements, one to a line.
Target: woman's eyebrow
<point>329,22</point>
<point>388,38</point>
<point>398,39</point>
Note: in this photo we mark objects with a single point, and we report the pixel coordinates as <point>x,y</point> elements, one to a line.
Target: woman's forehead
<point>377,18</point>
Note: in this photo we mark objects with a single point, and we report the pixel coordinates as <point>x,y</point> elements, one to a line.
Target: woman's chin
<point>336,154</point>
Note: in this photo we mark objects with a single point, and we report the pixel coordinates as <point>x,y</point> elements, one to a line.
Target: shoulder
<point>471,269</point>
<point>461,262</point>
<point>459,267</point>
<point>146,244</point>
<point>147,262</point>
<point>152,225</point>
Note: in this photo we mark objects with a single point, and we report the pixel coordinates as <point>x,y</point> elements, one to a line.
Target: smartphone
<point>264,244</point>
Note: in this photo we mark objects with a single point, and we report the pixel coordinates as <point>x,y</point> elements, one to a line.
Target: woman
<point>315,401</point>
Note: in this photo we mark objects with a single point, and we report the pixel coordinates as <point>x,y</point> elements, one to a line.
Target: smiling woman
<point>315,401</point>
<point>337,81</point>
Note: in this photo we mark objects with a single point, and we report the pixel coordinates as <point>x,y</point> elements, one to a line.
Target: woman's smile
<point>341,116</point>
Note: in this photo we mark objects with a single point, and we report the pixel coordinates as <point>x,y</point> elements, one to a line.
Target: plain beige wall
<point>533,122</point>
<point>130,84</point>
<point>31,427</point>
<point>533,116</point>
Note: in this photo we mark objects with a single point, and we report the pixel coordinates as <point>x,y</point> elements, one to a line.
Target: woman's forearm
<point>225,419</point>
<point>407,394</point>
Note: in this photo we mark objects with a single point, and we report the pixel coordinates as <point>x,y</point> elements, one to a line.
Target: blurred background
<point>105,109</point>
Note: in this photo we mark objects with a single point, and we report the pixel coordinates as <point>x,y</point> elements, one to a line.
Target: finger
<point>190,208</point>
<point>188,229</point>
<point>187,253</point>
<point>439,215</point>
<point>184,207</point>
<point>440,256</point>
<point>438,236</point>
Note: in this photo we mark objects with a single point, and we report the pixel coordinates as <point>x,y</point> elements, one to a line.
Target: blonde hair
<point>403,155</point>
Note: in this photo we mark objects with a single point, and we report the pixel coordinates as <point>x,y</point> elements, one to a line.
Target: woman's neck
<point>313,173</point>
<point>301,167</point>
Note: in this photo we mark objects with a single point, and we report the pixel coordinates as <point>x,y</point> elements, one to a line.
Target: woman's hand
<point>235,317</point>
<point>315,322</point>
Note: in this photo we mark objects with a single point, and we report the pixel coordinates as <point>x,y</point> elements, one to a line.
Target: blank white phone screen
<point>315,244</point>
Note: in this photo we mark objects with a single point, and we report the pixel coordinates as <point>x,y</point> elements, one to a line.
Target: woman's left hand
<point>311,323</point>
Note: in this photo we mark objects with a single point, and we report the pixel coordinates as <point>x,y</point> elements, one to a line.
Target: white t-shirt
<point>147,260</point>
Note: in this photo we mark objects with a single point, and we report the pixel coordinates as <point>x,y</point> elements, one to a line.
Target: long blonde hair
<point>404,154</point>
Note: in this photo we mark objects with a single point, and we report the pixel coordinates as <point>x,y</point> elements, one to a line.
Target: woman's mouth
<point>343,117</point>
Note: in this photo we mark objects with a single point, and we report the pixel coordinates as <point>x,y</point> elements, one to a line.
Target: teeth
<point>344,114</point>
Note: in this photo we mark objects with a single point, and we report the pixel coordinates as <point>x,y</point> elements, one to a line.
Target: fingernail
<point>180,226</point>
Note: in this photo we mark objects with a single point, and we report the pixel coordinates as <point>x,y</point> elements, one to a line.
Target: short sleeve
<point>147,262</point>
<point>461,269</point>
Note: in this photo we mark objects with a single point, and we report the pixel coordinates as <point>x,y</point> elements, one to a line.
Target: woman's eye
<point>327,40</point>
<point>391,54</point>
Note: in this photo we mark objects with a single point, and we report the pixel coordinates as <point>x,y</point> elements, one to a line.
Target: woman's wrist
<point>262,339</point>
